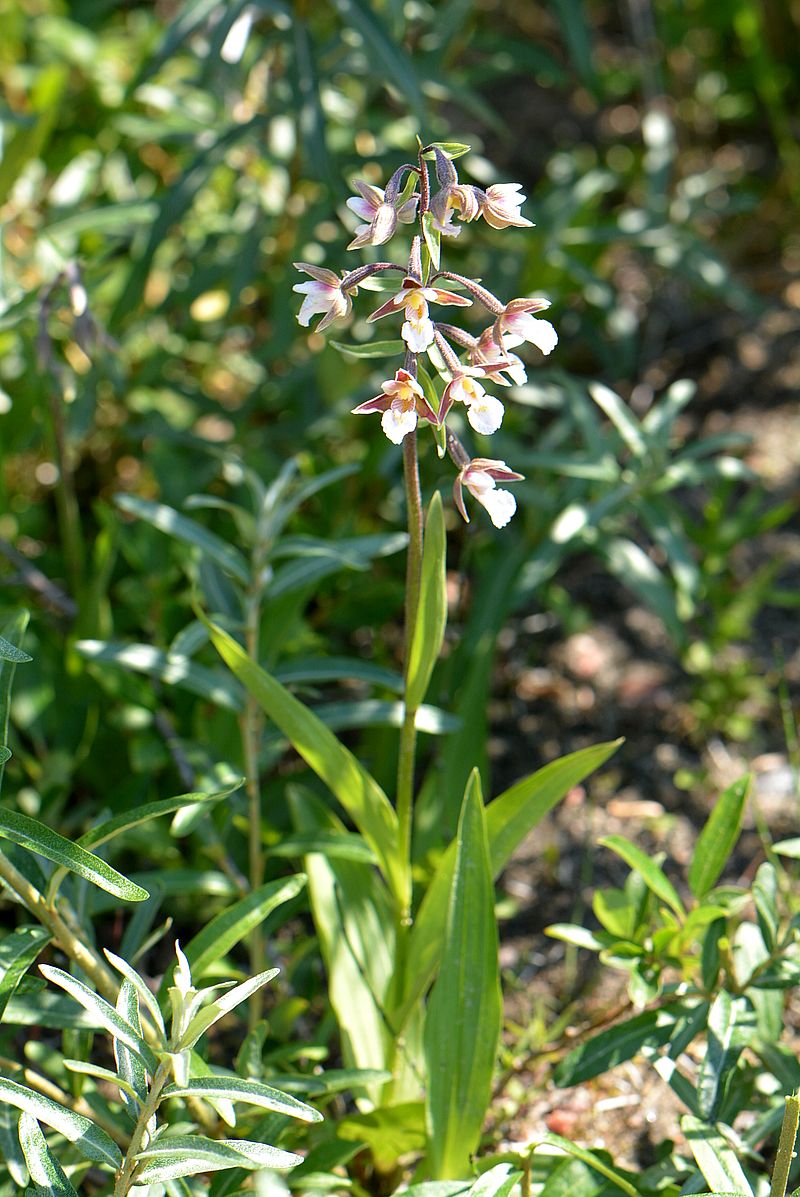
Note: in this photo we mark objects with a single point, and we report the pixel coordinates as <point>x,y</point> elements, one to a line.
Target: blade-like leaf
<point>168,520</point>
<point>358,792</point>
<point>335,845</point>
<point>222,1006</point>
<point>93,1142</point>
<point>716,1159</point>
<point>151,810</point>
<point>145,995</point>
<point>594,1161</point>
<point>10,652</point>
<point>654,878</point>
<point>84,1068</point>
<point>509,818</point>
<point>103,1011</point>
<point>132,1075</point>
<point>237,921</point>
<point>620,416</point>
<point>185,1155</point>
<point>17,952</point>
<point>172,668</point>
<point>370,348</point>
<point>15,630</point>
<point>722,1051</point>
<point>30,833</point>
<point>428,632</point>
<point>46,1172</point>
<point>718,838</point>
<point>232,1088</point>
<point>464,1019</point>
<point>613,1046</point>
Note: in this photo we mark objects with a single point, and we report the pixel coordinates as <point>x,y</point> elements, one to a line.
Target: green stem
<point>66,938</point>
<point>125,1174</point>
<point>408,733</point>
<point>785,1153</point>
<point>252,723</point>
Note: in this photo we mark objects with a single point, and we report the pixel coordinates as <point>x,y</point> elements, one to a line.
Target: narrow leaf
<point>10,652</point>
<point>370,349</point>
<point>464,1019</point>
<point>428,634</point>
<point>103,1011</point>
<point>221,1006</point>
<point>145,995</point>
<point>654,878</point>
<point>172,668</point>
<point>166,519</point>
<point>620,416</point>
<point>46,1172</point>
<point>718,838</point>
<point>594,1161</point>
<point>613,1046</point>
<point>93,1142</point>
<point>721,1053</point>
<point>151,810</point>
<point>358,792</point>
<point>17,953</point>
<point>716,1159</point>
<point>30,833</point>
<point>132,1075</point>
<point>231,1088</point>
<point>231,925</point>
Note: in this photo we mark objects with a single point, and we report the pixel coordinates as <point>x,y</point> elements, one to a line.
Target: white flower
<point>480,476</point>
<point>323,295</point>
<point>413,298</point>
<point>484,412</point>
<point>515,324</point>
<point>402,403</point>
<point>500,205</point>
<point>381,216</point>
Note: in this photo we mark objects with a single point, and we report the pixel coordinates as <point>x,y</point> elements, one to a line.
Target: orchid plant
<point>462,360</point>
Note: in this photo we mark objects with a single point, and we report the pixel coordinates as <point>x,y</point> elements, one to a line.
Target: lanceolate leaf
<point>232,1088</point>
<point>103,1011</point>
<point>715,1157</point>
<point>222,1006</point>
<point>594,1161</point>
<point>30,833</point>
<point>464,1018</point>
<point>10,652</point>
<point>17,952</point>
<point>722,1051</point>
<point>348,780</point>
<point>613,1046</point>
<point>46,1172</point>
<point>132,1076</point>
<point>166,519</point>
<point>426,642</point>
<point>718,838</point>
<point>150,810</point>
<point>185,1155</point>
<point>509,818</point>
<point>237,921</point>
<point>654,877</point>
<point>93,1142</point>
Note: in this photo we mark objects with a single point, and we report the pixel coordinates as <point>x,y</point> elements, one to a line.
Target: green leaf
<point>353,917</point>
<point>432,238</point>
<point>10,1150</point>
<point>132,1075</point>
<point>175,1156</point>
<point>722,1051</point>
<point>509,818</point>
<point>168,520</point>
<point>44,102</point>
<point>152,810</point>
<point>628,562</point>
<point>84,1068</point>
<point>348,780</point>
<point>46,1172</point>
<point>581,937</point>
<point>5,754</point>
<point>30,833</point>
<point>221,1006</point>
<point>593,1161</point>
<point>172,668</point>
<point>765,896</point>
<point>386,53</point>
<point>451,149</point>
<point>335,845</point>
<point>231,1088</point>
<point>17,952</point>
<point>103,1011</point>
<point>370,349</point>
<point>234,923</point>
<point>718,838</point>
<point>93,1142</point>
<point>428,634</point>
<point>10,652</point>
<point>312,670</point>
<point>464,1018</point>
<point>146,996</point>
<point>620,416</point>
<point>654,878</point>
<point>613,1046</point>
<point>15,629</point>
<point>715,1157</point>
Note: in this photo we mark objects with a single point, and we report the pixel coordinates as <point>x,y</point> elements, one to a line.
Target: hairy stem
<point>125,1174</point>
<point>66,938</point>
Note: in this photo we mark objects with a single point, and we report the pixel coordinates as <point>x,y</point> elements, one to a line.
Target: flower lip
<point>480,476</point>
<point>324,295</point>
<point>402,403</point>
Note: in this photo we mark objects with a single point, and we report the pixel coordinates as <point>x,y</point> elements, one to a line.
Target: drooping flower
<point>460,198</point>
<point>484,412</point>
<point>325,294</point>
<point>480,476</point>
<point>403,404</point>
<point>413,298</point>
<point>380,214</point>
<point>497,361</point>
<point>515,324</point>
<point>500,205</point>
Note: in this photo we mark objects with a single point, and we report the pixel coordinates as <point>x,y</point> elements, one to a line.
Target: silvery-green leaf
<point>239,1089</point>
<point>85,1068</point>
<point>223,1005</point>
<point>91,1140</point>
<point>132,1075</point>
<point>17,952</point>
<point>172,668</point>
<point>167,520</point>
<point>46,1172</point>
<point>10,652</point>
<point>103,1011</point>
<point>137,982</point>
<point>187,1155</point>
